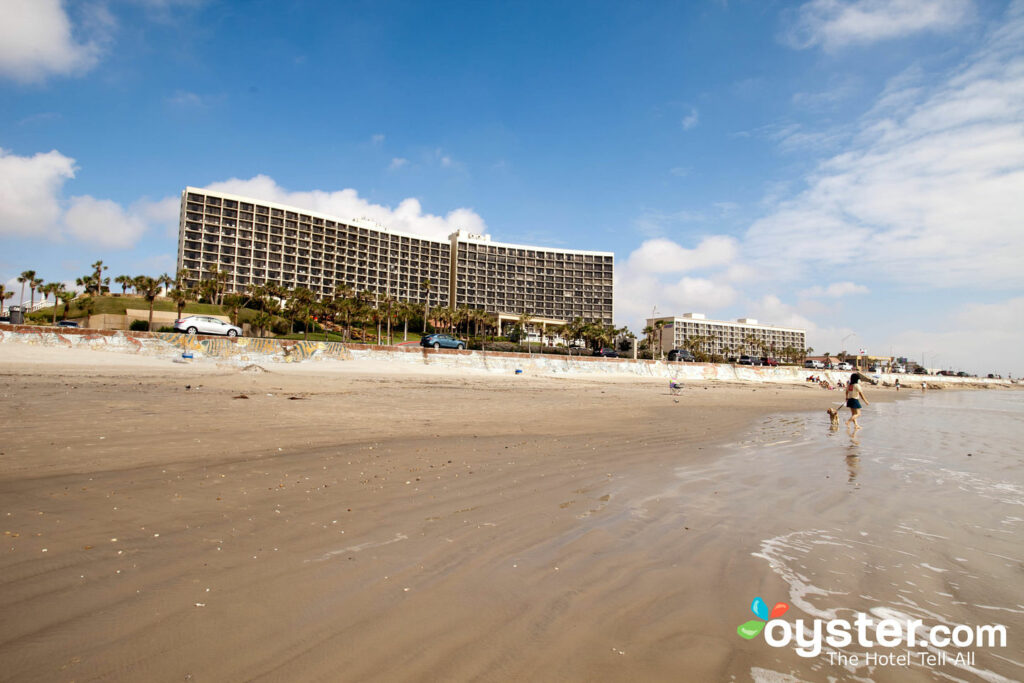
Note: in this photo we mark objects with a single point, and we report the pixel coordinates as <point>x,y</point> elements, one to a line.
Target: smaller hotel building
<point>726,337</point>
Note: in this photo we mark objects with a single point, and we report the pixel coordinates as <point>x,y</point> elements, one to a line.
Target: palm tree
<point>261,321</point>
<point>426,286</point>
<point>54,289</point>
<point>300,303</point>
<point>521,322</point>
<point>125,281</point>
<point>659,325</point>
<point>87,304</point>
<point>33,285</point>
<point>348,308</point>
<point>66,297</point>
<point>234,303</point>
<point>750,344</point>
<point>180,297</point>
<point>389,304</point>
<point>181,278</point>
<point>85,282</point>
<point>150,288</point>
<point>489,321</point>
<point>403,311</point>
<point>26,276</point>
<point>23,279</point>
<point>4,295</point>
<point>97,274</point>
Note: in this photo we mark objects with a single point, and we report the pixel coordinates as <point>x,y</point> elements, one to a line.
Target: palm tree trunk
<point>150,328</point>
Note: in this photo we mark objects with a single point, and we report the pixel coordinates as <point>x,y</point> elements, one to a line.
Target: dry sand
<point>351,521</point>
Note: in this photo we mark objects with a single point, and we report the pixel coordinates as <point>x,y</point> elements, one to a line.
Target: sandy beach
<point>353,521</point>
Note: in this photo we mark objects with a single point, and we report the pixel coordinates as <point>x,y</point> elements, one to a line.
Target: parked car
<point>442,341</point>
<point>67,323</point>
<point>814,364</point>
<point>962,374</point>
<point>749,360</point>
<point>920,371</point>
<point>607,352</point>
<point>769,361</point>
<point>204,324</point>
<point>844,366</point>
<point>681,355</point>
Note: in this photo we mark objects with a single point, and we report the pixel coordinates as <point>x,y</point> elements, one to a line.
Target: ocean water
<point>919,515</point>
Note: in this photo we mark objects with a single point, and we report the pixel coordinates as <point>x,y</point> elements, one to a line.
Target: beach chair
<point>674,387</point>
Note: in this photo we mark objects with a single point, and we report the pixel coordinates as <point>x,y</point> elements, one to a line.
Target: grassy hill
<point>117,305</point>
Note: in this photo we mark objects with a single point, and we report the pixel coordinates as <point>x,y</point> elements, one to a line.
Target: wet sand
<point>351,522</point>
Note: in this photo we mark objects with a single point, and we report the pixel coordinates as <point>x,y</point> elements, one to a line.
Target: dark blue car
<point>442,341</point>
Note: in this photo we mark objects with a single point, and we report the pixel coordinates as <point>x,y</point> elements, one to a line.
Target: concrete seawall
<point>245,350</point>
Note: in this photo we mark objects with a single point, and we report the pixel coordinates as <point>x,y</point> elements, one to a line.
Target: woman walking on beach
<point>853,398</point>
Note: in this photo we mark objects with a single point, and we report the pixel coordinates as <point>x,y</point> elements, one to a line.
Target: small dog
<point>833,414</point>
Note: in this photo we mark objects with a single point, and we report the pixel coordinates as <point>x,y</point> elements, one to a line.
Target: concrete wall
<point>244,350</point>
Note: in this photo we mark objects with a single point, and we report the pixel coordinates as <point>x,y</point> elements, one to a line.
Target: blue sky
<point>855,168</point>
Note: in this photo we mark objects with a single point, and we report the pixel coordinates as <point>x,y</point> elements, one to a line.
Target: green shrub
<point>139,326</point>
<point>166,328</point>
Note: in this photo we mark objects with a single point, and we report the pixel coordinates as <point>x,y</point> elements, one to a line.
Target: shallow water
<point>918,516</point>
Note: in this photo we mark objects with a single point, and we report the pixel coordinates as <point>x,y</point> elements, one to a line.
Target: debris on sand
<point>297,398</point>
<point>240,396</point>
<point>253,367</point>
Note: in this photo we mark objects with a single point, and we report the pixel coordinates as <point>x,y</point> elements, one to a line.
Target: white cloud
<point>691,119</point>
<point>102,222</point>
<point>978,338</point>
<point>636,293</point>
<point>839,89</point>
<point>32,205</point>
<point>30,190</point>
<point>398,162</point>
<point>662,255</point>
<point>771,310</point>
<point>408,216</point>
<point>36,41</point>
<point>377,139</point>
<point>183,98</point>
<point>162,214</point>
<point>834,290</point>
<point>927,193</point>
<point>651,275</point>
<point>834,24</point>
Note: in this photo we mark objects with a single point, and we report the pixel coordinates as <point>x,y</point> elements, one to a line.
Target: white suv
<point>814,364</point>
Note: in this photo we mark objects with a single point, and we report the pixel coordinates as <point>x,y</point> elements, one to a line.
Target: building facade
<point>725,337</point>
<point>551,284</point>
<point>256,241</point>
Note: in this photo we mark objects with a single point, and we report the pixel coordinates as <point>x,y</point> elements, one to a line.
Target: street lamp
<point>842,344</point>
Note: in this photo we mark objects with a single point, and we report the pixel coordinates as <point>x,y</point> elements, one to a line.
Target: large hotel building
<point>257,241</point>
<point>726,337</point>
